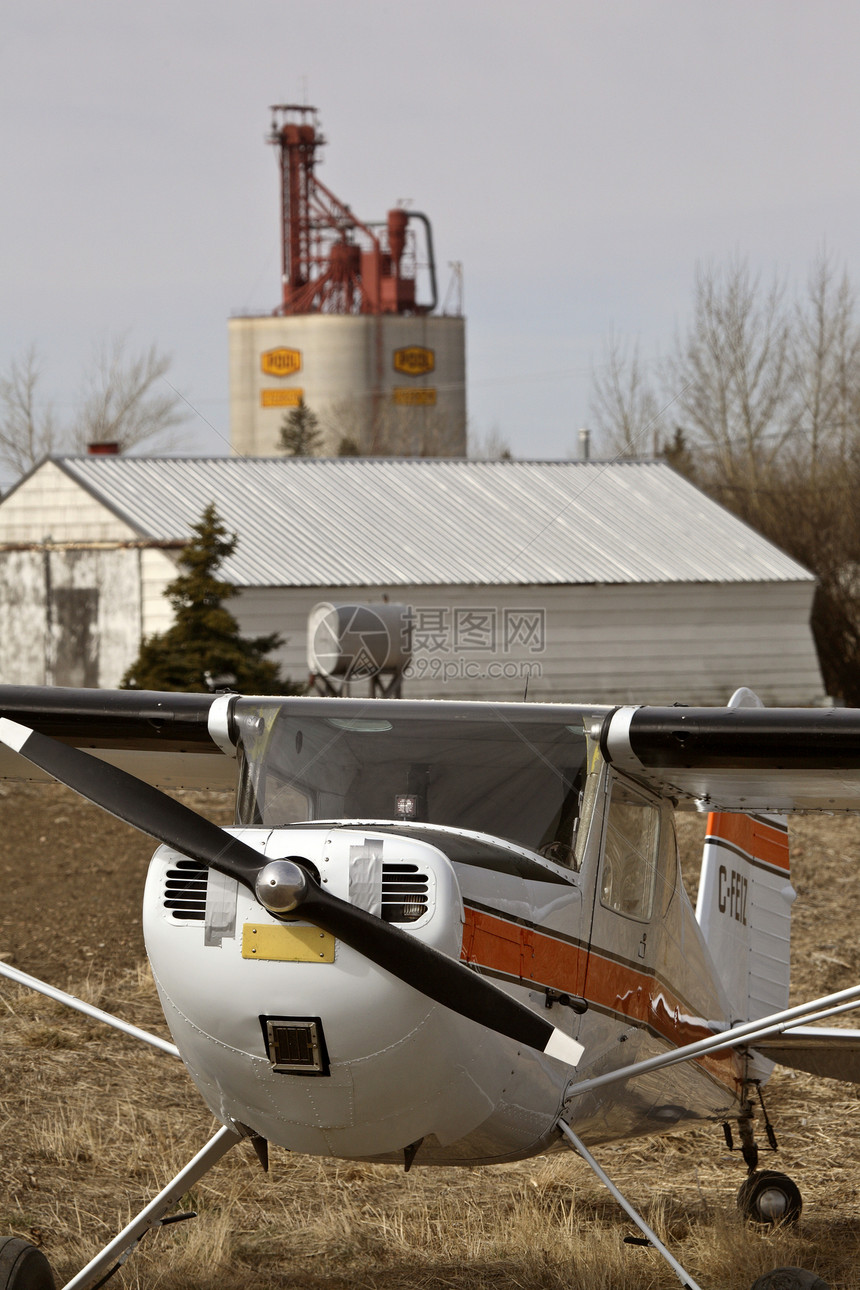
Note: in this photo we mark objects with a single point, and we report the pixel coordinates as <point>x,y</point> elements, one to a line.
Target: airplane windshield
<point>519,780</point>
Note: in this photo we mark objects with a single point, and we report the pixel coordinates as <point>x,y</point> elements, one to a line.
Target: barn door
<point>74,639</point>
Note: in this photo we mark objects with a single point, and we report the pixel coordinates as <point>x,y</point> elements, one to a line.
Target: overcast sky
<point>578,158</point>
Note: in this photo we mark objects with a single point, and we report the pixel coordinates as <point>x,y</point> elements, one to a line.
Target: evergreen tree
<point>676,452</point>
<point>300,432</point>
<point>348,447</point>
<point>203,650</point>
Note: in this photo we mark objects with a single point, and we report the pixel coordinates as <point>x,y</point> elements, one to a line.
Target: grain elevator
<point>357,337</point>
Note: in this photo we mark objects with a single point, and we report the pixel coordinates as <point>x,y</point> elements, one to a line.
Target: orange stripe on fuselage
<point>754,836</point>
<point>534,957</point>
<point>522,952</point>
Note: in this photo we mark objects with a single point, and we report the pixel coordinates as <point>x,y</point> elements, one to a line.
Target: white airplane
<point>456,933</point>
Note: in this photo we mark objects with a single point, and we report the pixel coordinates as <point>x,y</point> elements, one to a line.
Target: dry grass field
<point>92,1123</point>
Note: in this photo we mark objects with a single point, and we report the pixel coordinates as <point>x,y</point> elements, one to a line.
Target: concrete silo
<point>382,371</point>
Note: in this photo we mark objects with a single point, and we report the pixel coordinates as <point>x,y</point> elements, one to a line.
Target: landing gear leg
<point>766,1197</point>
<point>749,1146</point>
<point>154,1215</point>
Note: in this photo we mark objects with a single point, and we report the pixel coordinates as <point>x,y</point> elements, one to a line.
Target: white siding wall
<point>693,644</point>
<point>22,618</point>
<point>156,571</point>
<point>621,643</point>
<point>51,505</point>
<point>607,644</point>
<point>68,617</point>
<point>116,574</point>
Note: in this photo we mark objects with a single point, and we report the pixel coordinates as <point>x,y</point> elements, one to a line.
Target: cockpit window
<point>630,853</point>
<point>516,780</point>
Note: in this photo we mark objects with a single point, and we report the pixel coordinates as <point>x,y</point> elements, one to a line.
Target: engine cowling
<point>300,1037</point>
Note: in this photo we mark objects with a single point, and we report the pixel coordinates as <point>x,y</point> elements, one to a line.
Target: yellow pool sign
<point>409,397</point>
<point>414,360</point>
<point>281,362</point>
<point>290,397</point>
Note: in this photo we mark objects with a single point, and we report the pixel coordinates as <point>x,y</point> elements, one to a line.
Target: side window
<point>630,853</point>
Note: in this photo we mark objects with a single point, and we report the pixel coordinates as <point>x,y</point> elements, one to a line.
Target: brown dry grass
<point>92,1124</point>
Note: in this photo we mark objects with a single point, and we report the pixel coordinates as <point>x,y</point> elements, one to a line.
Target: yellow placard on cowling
<point>286,944</point>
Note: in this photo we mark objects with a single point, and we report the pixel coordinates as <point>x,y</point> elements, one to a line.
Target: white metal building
<point>589,581</point>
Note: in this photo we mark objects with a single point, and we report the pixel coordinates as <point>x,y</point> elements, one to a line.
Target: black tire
<point>790,1279</point>
<point>768,1198</point>
<point>23,1266</point>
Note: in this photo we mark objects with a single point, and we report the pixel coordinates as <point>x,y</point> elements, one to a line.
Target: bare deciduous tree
<point>625,411</point>
<point>768,400</point>
<point>493,446</point>
<point>826,367</point>
<point>364,428</point>
<point>28,430</point>
<point>126,399</point>
<point>732,373</point>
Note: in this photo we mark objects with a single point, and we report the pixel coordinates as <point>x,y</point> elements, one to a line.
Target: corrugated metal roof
<point>371,522</point>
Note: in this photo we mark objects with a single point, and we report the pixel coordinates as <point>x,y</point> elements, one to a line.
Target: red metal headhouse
<point>332,261</point>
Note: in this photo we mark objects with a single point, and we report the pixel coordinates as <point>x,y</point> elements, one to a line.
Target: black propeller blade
<point>135,802</point>
<point>282,886</point>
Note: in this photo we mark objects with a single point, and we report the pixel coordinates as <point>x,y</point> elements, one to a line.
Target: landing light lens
<point>295,1045</point>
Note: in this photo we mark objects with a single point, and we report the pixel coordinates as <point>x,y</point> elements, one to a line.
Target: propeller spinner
<point>286,886</point>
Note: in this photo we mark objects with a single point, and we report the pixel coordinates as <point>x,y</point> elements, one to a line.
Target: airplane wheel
<point>23,1266</point>
<point>768,1198</point>
<point>790,1279</point>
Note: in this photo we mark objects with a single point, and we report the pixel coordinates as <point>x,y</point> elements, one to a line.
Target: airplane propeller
<point>285,886</point>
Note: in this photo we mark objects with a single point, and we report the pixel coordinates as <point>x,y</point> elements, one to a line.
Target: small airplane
<point>451,933</point>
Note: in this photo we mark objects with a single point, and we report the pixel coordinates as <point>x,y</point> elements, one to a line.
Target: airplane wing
<point>740,759</point>
<point>168,739</point>
<point>820,1050</point>
<point>710,759</point>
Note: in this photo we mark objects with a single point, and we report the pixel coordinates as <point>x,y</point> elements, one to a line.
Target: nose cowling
<point>387,1062</point>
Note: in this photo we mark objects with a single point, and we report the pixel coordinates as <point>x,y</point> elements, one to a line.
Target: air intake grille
<point>404,893</point>
<point>185,891</point>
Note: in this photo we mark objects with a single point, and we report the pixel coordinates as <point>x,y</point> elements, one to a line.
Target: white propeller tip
<point>13,735</point>
<point>564,1048</point>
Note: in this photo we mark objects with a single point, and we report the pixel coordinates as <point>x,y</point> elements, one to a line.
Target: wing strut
<point>737,1037</point>
<point>648,1232</point>
<point>71,1001</point>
